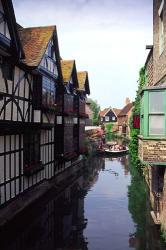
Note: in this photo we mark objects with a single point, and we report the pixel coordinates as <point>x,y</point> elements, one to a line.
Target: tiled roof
<point>104,112</point>
<point>126,109</point>
<point>67,69</point>
<point>116,111</point>
<point>82,75</point>
<point>35,41</point>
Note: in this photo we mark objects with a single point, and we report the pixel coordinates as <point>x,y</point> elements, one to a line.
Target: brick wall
<point>152,150</point>
<point>156,200</point>
<point>159,61</point>
<point>149,68</point>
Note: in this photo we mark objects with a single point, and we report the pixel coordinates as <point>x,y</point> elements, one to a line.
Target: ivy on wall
<point>136,110</point>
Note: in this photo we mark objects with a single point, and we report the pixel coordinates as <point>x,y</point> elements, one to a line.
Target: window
<point>51,51</point>
<point>156,113</point>
<point>31,151</point>
<point>153,113</point>
<point>113,118</point>
<point>8,71</point>
<point>107,119</point>
<point>161,28</point>
<point>48,92</point>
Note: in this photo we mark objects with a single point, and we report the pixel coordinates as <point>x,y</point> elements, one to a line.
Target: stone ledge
<point>152,138</point>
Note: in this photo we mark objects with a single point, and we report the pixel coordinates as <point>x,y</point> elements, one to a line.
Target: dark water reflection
<point>105,208</point>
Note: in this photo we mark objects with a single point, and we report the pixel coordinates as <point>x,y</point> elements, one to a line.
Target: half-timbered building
<point>40,46</point>
<point>83,90</point>
<point>37,107</point>
<point>66,116</point>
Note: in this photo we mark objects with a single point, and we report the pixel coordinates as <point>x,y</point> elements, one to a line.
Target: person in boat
<point>103,138</point>
<point>117,148</point>
<point>100,144</point>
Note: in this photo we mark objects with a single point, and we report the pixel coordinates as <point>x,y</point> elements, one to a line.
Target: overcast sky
<point>105,37</point>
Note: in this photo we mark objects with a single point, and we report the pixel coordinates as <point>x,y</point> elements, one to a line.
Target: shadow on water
<point>105,208</point>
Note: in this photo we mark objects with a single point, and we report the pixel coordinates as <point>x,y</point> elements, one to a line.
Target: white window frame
<point>107,118</point>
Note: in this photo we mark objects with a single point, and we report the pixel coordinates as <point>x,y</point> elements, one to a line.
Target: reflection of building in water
<point>58,224</point>
<point>147,235</point>
<point>125,163</point>
<point>54,222</point>
<point>93,166</point>
<point>156,177</point>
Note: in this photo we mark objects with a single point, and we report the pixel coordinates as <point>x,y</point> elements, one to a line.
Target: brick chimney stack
<point>127,101</point>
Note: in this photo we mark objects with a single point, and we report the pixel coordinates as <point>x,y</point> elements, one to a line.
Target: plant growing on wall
<point>136,110</point>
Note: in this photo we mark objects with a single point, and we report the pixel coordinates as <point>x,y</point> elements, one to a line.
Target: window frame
<point>145,113</point>
<point>48,92</point>
<point>31,156</point>
<point>107,118</point>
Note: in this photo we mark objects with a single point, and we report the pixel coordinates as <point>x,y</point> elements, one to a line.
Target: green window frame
<point>153,111</point>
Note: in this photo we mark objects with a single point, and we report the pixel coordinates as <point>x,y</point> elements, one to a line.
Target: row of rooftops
<point>35,41</point>
<point>118,112</point>
<point>30,45</point>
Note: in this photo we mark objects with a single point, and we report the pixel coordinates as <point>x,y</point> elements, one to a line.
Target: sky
<point>107,38</point>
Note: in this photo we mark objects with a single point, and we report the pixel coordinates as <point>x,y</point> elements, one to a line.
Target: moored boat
<point>116,151</point>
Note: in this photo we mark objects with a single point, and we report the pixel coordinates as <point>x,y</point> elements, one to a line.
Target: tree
<point>96,109</point>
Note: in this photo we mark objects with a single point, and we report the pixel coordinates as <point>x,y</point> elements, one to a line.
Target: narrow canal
<point>105,208</point>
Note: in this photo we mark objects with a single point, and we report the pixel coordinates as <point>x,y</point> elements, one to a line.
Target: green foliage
<point>109,127</point>
<point>95,108</point>
<point>136,110</point>
<point>163,234</point>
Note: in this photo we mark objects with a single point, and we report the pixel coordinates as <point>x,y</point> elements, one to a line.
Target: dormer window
<point>161,27</point>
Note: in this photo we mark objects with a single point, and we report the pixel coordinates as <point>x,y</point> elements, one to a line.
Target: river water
<point>105,208</point>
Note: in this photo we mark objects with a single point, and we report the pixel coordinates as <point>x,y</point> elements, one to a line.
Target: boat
<point>116,152</point>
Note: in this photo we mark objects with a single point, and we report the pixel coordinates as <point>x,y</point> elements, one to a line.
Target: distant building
<point>89,112</point>
<point>109,115</point>
<point>124,117</point>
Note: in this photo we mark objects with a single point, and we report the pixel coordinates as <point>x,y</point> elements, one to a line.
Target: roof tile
<point>35,41</point>
<point>126,109</point>
<point>67,69</point>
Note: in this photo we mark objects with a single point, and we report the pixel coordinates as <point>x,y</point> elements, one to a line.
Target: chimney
<point>127,101</point>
